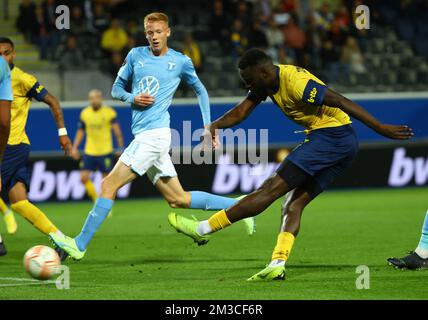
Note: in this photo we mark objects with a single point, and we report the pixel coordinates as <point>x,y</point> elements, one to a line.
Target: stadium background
<point>384,68</point>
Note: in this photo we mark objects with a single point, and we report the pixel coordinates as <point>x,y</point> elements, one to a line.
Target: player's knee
<point>84,178</point>
<point>272,188</point>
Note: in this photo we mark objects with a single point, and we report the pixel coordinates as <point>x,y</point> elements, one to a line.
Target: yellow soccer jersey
<point>97,125</point>
<point>300,97</point>
<point>24,88</point>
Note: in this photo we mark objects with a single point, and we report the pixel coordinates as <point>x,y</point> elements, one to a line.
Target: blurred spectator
<point>323,17</point>
<point>330,56</point>
<point>257,37</point>
<point>343,18</point>
<point>77,21</point>
<point>238,39</point>
<point>243,13</point>
<point>132,27</point>
<point>45,36</point>
<point>337,34</point>
<point>191,49</point>
<point>27,20</point>
<point>295,39</point>
<point>274,35</point>
<point>220,22</point>
<point>100,18</point>
<point>49,15</point>
<point>352,57</point>
<point>70,57</point>
<point>116,62</point>
<point>114,39</point>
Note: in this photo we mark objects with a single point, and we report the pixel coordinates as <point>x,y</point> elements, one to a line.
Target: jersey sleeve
<point>306,87</point>
<point>33,88</point>
<point>188,73</point>
<point>126,70</point>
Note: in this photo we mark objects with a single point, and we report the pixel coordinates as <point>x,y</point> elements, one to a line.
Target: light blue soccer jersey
<point>158,76</point>
<point>5,84</point>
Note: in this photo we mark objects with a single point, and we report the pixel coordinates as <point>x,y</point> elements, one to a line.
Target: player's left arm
<point>57,114</point>
<point>192,79</point>
<point>334,99</point>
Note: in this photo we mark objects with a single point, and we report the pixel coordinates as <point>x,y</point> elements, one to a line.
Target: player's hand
<point>75,154</point>
<point>66,145</point>
<point>143,100</point>
<point>400,132</point>
<point>209,139</point>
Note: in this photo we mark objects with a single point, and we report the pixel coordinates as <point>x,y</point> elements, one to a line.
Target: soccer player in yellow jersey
<point>15,174</point>
<point>329,148</point>
<point>97,121</point>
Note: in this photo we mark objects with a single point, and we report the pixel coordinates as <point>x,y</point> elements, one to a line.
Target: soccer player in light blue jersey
<point>155,72</point>
<point>6,98</point>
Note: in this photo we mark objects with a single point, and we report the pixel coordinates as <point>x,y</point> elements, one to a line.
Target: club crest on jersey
<point>171,65</point>
<point>149,85</point>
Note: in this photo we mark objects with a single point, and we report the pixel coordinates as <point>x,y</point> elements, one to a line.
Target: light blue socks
<point>208,201</point>
<point>94,220</point>
<point>422,249</point>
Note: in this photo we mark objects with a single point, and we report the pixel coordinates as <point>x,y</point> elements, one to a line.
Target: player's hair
<point>7,40</point>
<point>156,16</point>
<point>253,57</point>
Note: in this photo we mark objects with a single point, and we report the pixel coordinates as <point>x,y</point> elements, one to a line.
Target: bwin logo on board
<point>149,85</point>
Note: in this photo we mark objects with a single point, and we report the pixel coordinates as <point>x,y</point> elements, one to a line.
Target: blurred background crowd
<point>319,35</point>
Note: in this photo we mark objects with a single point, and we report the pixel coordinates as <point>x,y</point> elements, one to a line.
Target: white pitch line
<point>18,279</point>
<point>25,284</point>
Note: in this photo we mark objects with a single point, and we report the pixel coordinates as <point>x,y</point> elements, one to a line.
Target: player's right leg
<point>417,259</point>
<point>118,177</point>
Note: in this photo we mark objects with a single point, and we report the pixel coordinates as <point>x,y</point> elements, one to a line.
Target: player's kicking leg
<point>171,189</point>
<point>249,206</point>
<point>9,218</point>
<point>417,259</point>
<point>76,247</point>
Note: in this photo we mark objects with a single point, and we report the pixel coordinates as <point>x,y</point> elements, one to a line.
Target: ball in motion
<point>41,262</point>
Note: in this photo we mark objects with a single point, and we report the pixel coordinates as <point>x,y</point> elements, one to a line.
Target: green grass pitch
<point>137,255</point>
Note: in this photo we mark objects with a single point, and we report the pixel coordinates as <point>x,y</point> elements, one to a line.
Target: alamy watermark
<point>362,19</point>
<point>363,280</point>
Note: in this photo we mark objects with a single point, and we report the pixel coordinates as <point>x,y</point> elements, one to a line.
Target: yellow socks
<point>35,216</point>
<point>3,207</point>
<point>219,221</point>
<point>283,246</point>
<point>90,190</point>
<point>9,218</point>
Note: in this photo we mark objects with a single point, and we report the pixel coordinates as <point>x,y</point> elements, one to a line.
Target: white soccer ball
<point>42,262</point>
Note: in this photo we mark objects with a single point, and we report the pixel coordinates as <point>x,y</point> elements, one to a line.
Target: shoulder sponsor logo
<point>312,95</point>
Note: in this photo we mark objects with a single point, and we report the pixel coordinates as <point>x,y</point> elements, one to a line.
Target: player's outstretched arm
<point>234,116</point>
<point>55,107</point>
<point>334,99</point>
